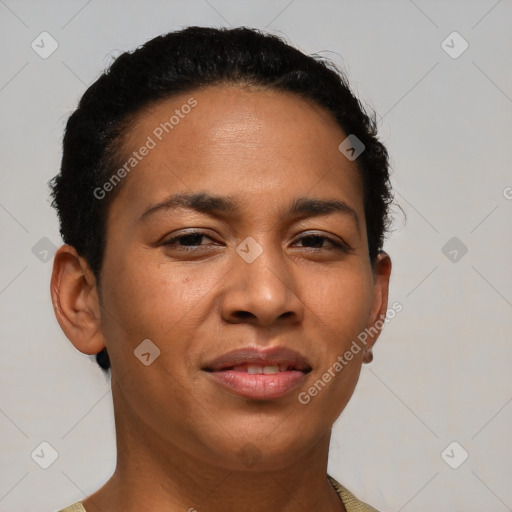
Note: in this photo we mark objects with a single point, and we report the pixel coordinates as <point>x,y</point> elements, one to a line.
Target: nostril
<point>244,315</point>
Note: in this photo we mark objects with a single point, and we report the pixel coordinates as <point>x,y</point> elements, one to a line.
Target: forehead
<point>256,144</point>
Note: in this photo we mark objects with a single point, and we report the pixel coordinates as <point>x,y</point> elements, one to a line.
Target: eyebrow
<point>225,205</point>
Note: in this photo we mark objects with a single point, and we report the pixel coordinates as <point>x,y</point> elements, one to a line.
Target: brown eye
<point>188,240</point>
<point>317,242</point>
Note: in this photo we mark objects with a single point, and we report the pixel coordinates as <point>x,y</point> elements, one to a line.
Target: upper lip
<point>266,357</point>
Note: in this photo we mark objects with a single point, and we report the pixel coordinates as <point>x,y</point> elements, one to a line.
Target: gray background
<point>441,371</point>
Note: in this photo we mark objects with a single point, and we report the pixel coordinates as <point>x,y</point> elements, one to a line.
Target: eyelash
<point>336,245</point>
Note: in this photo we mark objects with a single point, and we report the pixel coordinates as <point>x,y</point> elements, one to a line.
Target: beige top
<point>352,504</point>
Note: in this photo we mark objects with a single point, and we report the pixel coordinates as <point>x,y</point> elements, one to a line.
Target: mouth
<point>263,369</point>
<point>259,374</point>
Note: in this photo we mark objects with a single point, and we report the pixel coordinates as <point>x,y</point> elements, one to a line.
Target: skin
<point>179,435</point>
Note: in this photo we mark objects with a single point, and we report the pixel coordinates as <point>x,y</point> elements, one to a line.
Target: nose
<point>264,292</point>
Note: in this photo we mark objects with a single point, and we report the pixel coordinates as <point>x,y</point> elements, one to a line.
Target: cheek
<point>150,298</point>
<point>342,302</point>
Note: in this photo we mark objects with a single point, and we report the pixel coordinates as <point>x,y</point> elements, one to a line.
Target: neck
<point>152,474</point>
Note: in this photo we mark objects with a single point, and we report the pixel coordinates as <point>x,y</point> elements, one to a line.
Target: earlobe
<point>381,275</point>
<point>75,301</point>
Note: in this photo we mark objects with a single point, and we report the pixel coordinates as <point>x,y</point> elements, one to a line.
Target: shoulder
<point>352,504</point>
<point>76,507</point>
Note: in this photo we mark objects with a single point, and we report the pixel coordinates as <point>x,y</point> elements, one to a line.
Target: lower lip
<point>260,386</point>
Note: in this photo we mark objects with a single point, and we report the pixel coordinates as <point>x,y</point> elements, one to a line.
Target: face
<point>264,251</point>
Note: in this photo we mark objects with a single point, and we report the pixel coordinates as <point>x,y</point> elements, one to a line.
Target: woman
<point>223,199</point>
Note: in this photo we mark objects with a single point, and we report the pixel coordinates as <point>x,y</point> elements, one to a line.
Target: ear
<point>381,275</point>
<point>76,301</point>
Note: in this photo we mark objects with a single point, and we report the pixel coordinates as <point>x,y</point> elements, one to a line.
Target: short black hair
<point>184,61</point>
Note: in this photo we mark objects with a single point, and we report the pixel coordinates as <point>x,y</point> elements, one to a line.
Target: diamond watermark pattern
<point>249,249</point>
<point>249,455</point>
<point>44,455</point>
<point>146,352</point>
<point>454,45</point>
<point>351,147</point>
<point>454,249</point>
<point>454,455</point>
<point>44,45</point>
<point>44,249</point>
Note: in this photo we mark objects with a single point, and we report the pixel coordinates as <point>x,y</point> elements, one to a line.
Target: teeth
<point>255,369</point>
